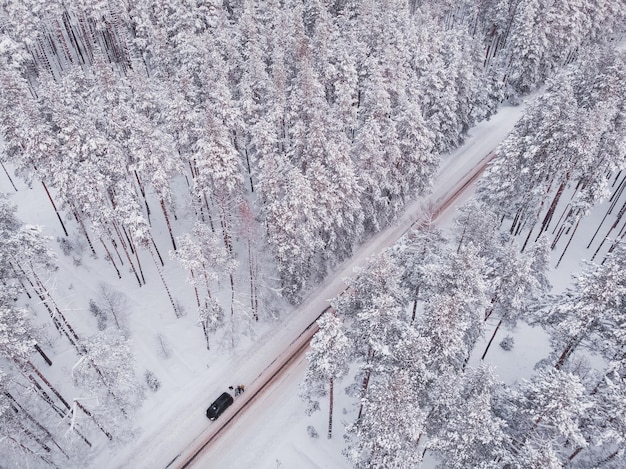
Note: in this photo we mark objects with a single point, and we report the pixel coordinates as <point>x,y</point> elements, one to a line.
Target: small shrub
<point>507,343</point>
<point>312,431</point>
<point>152,381</point>
<point>163,346</point>
<point>66,246</point>
<point>100,315</point>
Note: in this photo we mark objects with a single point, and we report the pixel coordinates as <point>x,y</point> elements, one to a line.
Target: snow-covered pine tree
<point>328,362</point>
<point>591,313</point>
<point>113,391</point>
<point>388,432</point>
<point>543,418</point>
<point>472,435</point>
<point>418,251</point>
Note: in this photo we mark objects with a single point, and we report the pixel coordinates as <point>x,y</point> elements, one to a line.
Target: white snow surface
<point>272,432</point>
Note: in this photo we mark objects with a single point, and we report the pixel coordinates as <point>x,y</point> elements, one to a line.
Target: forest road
<point>266,382</point>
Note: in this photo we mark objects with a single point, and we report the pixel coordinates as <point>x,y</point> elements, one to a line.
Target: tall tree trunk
<point>57,316</point>
<point>206,335</point>
<point>49,435</point>
<point>568,243</point>
<point>167,290</point>
<point>26,449</point>
<point>8,175</point>
<point>90,415</point>
<point>110,258</point>
<point>130,261</point>
<point>252,272</point>
<point>47,383</point>
<point>167,222</point>
<point>55,208</point>
<point>114,244</point>
<point>83,228</point>
<point>527,238</point>
<point>143,194</point>
<point>43,355</point>
<point>575,453</point>
<point>157,251</point>
<point>414,311</point>
<point>41,392</point>
<point>613,226</point>
<point>330,409</point>
<point>574,341</point>
<point>493,336</point>
<point>366,381</point>
<point>548,218</point>
<point>34,437</point>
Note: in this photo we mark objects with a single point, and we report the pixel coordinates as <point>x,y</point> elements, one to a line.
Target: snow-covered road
<point>266,416</point>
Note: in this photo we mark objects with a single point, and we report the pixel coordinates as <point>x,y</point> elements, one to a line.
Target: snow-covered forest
<point>201,165</point>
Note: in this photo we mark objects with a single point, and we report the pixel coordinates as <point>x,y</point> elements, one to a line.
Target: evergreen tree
<point>472,435</point>
<point>543,419</point>
<point>327,363</point>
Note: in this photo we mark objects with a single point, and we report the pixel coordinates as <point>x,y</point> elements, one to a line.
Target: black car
<point>219,406</point>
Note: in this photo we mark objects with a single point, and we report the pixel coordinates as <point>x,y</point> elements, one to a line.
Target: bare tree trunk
<point>19,408</point>
<point>63,325</point>
<point>119,235</point>
<point>8,175</point>
<point>143,279</point>
<point>28,450</point>
<point>157,251</point>
<point>568,243</point>
<point>575,453</point>
<point>167,222</point>
<point>330,410</point>
<point>47,383</point>
<point>493,336</point>
<point>84,230</point>
<point>112,239</point>
<point>44,395</point>
<point>167,290</point>
<point>252,272</point>
<point>110,257</point>
<point>567,352</point>
<point>613,226</point>
<point>90,415</point>
<point>415,300</point>
<point>366,381</point>
<point>208,211</point>
<point>548,218</point>
<point>43,355</point>
<point>206,335</point>
<point>34,437</point>
<point>225,229</point>
<point>55,208</point>
<point>527,237</point>
<point>143,194</point>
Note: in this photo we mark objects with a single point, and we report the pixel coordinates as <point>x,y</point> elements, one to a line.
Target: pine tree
<point>105,372</point>
<point>328,363</point>
<point>472,435</point>
<point>590,313</point>
<point>543,418</point>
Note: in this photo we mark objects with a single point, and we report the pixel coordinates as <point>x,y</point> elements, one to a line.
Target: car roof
<point>225,397</point>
